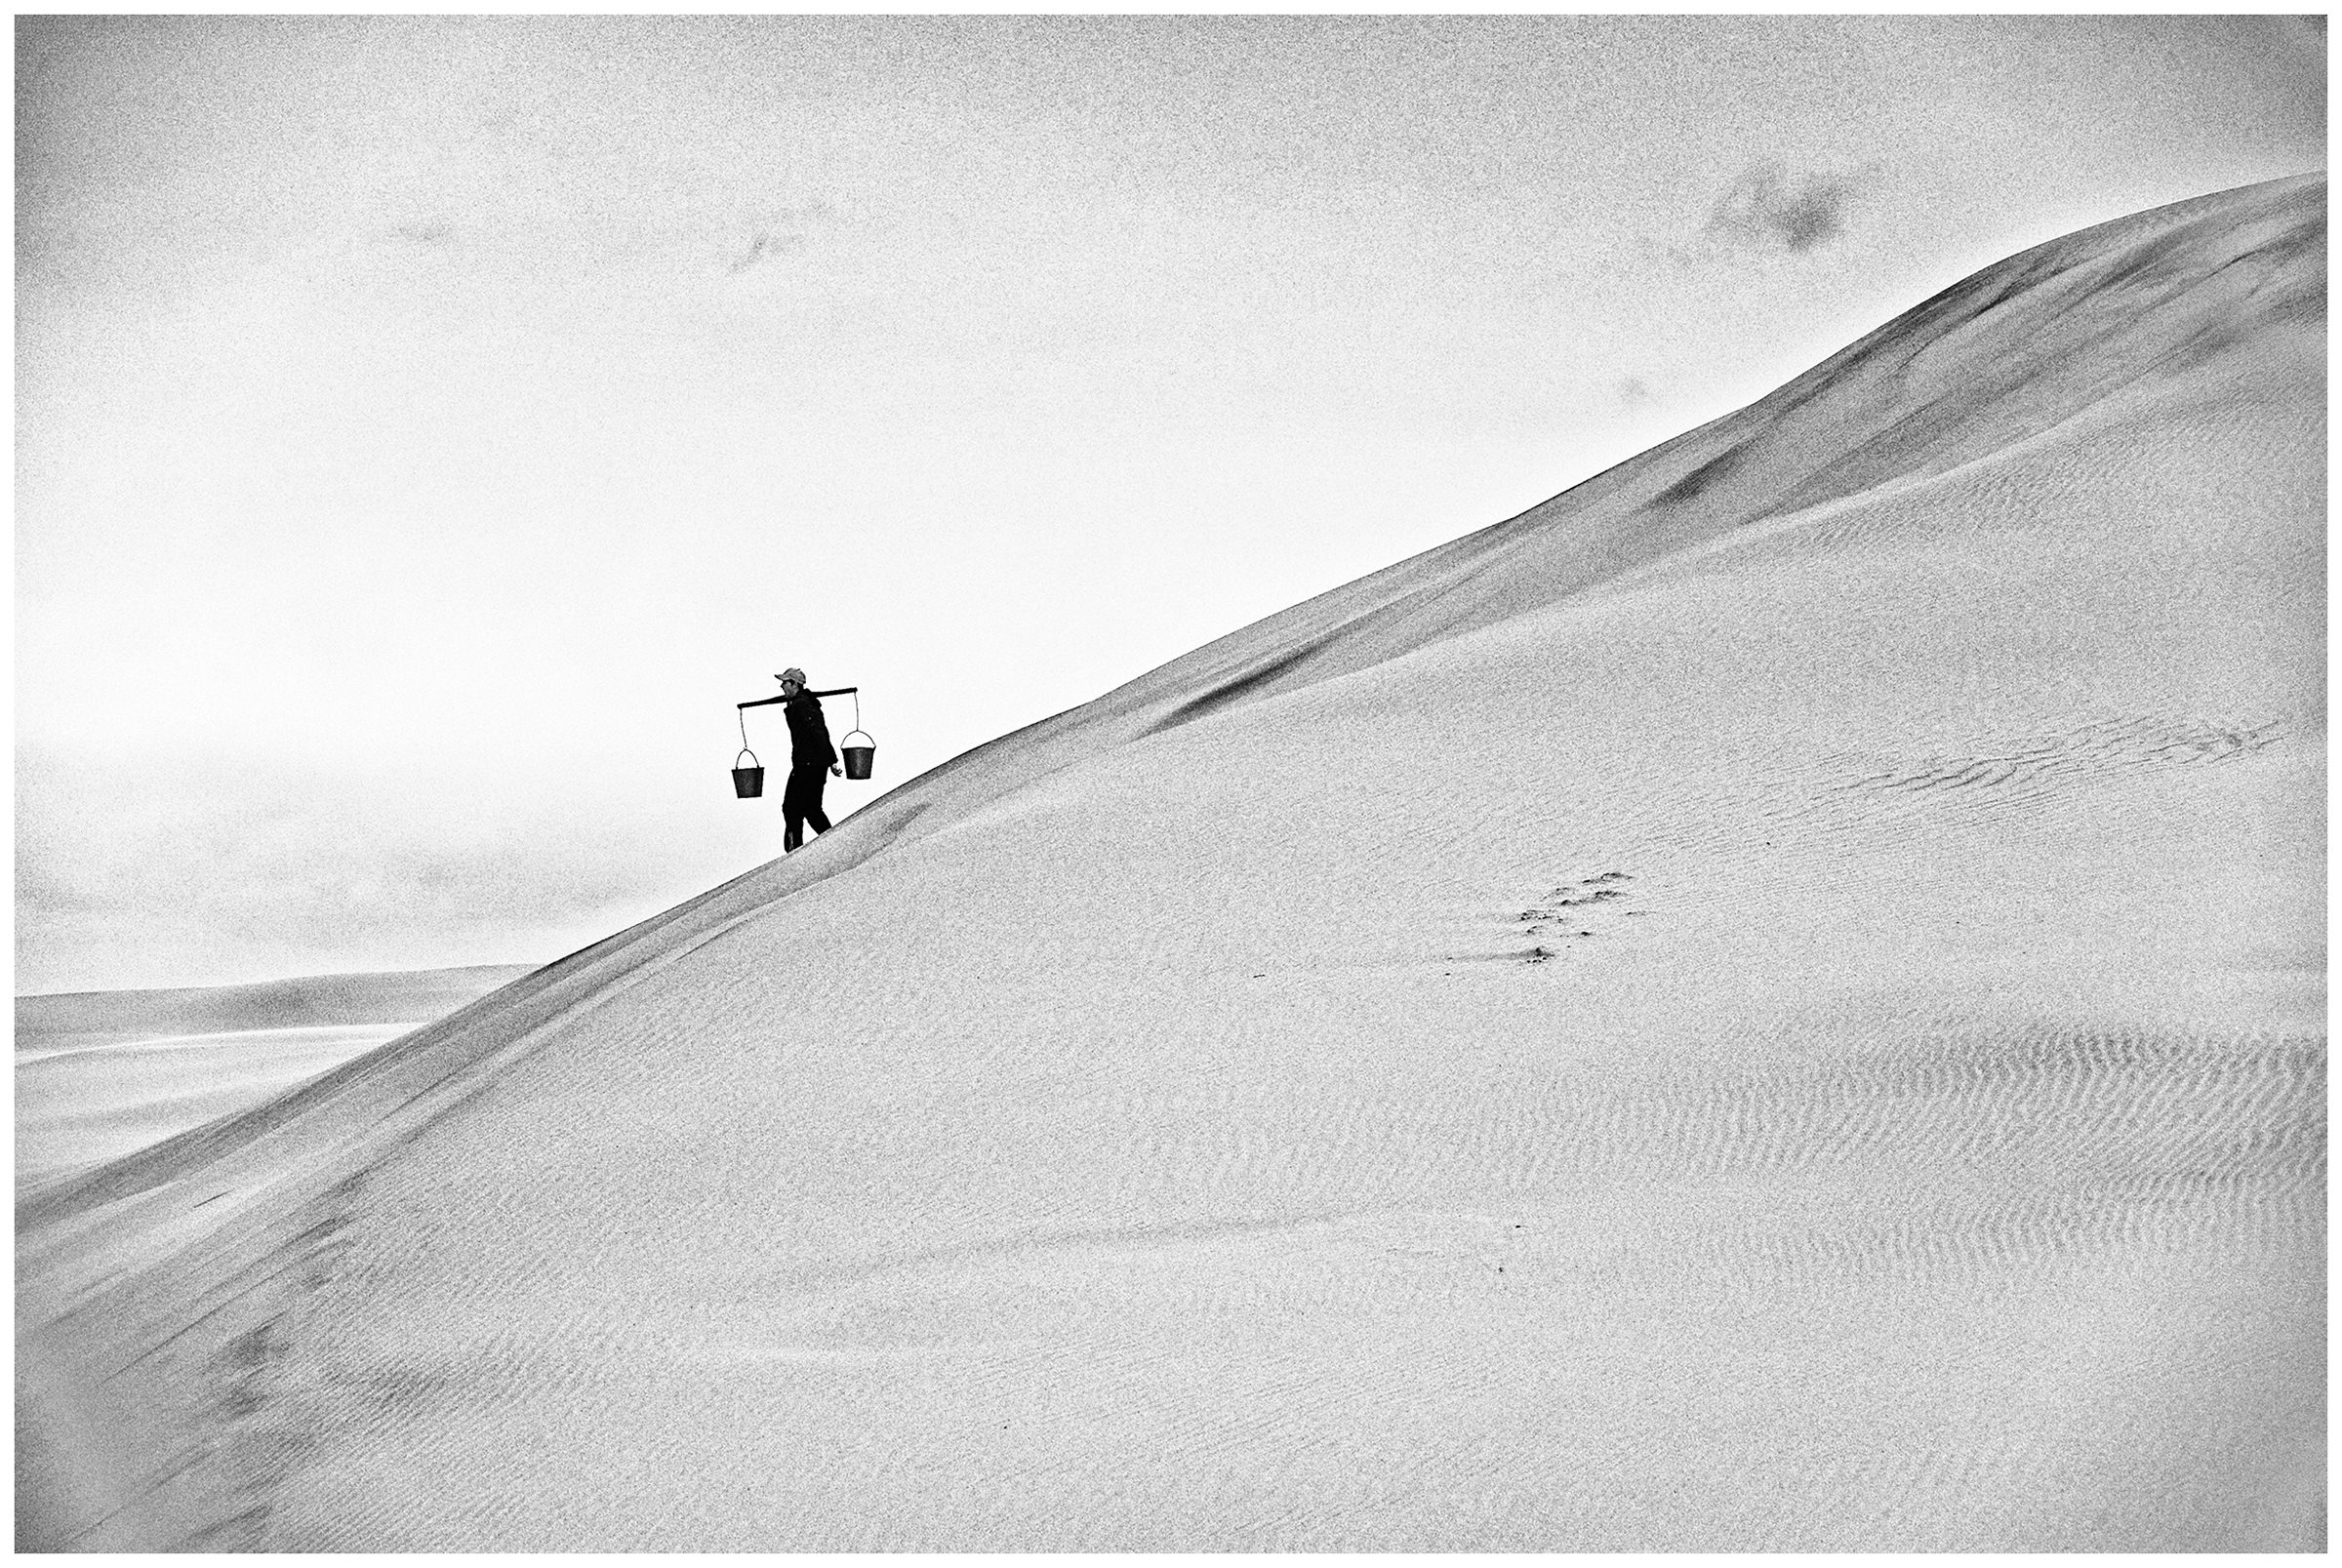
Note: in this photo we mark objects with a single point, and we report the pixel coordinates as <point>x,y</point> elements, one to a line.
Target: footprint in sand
<point>1563,914</point>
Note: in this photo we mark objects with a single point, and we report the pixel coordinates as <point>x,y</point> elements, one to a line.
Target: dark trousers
<point>801,803</point>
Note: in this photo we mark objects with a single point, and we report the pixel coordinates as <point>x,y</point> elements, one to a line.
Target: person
<point>810,755</point>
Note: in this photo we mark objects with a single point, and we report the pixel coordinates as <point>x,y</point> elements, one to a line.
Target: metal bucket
<point>748,783</point>
<point>859,757</point>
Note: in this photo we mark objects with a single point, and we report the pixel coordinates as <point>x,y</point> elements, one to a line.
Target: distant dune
<point>72,1021</point>
<point>100,1074</point>
<point>1774,1001</point>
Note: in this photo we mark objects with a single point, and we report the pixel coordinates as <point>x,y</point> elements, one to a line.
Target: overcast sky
<point>428,427</point>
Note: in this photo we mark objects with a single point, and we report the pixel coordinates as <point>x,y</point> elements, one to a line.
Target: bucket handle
<point>850,733</point>
<point>751,755</point>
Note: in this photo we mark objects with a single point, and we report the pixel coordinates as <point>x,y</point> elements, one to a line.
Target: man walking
<point>810,753</point>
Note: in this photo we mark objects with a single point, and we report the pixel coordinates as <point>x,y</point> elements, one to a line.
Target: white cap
<point>791,674</point>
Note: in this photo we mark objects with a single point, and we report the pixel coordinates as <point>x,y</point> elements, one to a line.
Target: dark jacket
<point>808,733</point>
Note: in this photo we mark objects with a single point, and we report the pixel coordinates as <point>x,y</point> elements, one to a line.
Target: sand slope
<point>100,1074</point>
<point>1774,1001</point>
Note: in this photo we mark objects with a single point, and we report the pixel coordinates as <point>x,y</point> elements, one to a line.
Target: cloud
<point>1631,391</point>
<point>763,247</point>
<point>784,231</point>
<point>1768,208</point>
<point>244,874</point>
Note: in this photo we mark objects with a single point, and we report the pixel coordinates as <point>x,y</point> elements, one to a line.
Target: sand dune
<point>74,1021</point>
<point>100,1074</point>
<point>1774,1001</point>
<point>76,1108</point>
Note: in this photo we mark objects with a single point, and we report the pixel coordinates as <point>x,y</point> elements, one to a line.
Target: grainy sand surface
<point>1774,1001</point>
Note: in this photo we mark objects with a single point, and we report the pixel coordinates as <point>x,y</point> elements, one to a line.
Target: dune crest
<point>1773,1001</point>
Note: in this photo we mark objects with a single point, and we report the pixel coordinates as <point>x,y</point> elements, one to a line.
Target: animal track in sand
<point>1574,911</point>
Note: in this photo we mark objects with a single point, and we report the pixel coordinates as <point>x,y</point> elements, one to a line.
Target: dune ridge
<point>1773,1001</point>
